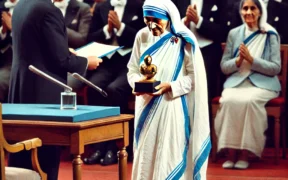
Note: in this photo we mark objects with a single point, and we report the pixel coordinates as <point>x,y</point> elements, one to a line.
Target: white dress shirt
<point>62,6</point>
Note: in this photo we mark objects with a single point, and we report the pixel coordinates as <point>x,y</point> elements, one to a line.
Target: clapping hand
<point>192,15</point>
<point>245,54</point>
<point>7,21</point>
<point>113,20</point>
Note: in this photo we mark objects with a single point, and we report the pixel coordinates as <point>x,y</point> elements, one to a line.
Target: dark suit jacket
<point>211,18</point>
<point>6,57</point>
<point>133,8</point>
<point>77,20</point>
<point>40,39</point>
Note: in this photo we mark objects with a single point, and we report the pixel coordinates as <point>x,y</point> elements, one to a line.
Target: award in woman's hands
<point>148,70</point>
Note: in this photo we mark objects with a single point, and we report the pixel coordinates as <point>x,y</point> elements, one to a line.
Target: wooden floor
<point>260,169</point>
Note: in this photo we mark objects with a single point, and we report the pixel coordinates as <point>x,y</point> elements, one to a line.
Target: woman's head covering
<point>200,130</point>
<point>166,10</point>
<point>262,24</point>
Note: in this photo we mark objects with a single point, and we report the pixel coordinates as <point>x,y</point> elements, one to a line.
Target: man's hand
<point>4,28</point>
<point>245,54</point>
<point>191,15</point>
<point>7,20</point>
<point>93,62</point>
<point>114,19</point>
<point>110,24</point>
<point>162,88</point>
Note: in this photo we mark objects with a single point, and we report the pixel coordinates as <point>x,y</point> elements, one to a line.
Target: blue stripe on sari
<point>202,158</point>
<point>272,33</point>
<point>144,116</point>
<point>180,168</point>
<point>158,44</point>
<point>178,172</point>
<point>247,40</point>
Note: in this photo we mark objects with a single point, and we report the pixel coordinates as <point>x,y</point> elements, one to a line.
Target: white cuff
<point>107,34</point>
<point>120,31</point>
<point>183,21</point>
<point>3,36</point>
<point>174,89</point>
<point>199,22</point>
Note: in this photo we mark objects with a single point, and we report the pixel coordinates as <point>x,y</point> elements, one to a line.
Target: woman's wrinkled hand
<point>245,54</point>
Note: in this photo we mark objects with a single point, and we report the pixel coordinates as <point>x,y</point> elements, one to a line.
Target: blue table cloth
<point>50,112</point>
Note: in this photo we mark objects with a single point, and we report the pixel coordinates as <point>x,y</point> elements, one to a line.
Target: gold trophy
<point>148,70</point>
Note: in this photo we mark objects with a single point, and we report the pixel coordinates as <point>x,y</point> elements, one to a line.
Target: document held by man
<point>96,49</point>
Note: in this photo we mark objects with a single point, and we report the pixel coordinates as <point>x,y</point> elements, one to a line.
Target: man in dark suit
<point>40,39</point>
<point>77,18</point>
<point>203,18</point>
<point>114,22</point>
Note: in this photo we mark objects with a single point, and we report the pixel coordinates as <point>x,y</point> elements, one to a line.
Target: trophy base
<point>146,87</point>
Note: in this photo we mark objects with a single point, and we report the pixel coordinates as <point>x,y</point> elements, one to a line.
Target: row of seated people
<point>116,22</point>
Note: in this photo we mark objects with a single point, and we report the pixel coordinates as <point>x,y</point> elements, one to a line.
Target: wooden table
<point>75,135</point>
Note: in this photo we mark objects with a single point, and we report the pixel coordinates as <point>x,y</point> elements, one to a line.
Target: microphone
<point>81,78</point>
<point>49,78</point>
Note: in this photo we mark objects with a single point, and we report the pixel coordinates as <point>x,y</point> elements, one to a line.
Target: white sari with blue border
<point>172,136</point>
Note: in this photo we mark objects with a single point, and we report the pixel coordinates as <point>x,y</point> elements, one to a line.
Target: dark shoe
<point>110,158</point>
<point>94,158</point>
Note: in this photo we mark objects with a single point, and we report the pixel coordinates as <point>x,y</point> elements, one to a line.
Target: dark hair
<point>257,3</point>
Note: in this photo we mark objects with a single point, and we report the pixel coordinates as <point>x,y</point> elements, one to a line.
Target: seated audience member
<point>5,47</point>
<point>77,18</point>
<point>252,61</point>
<point>114,22</point>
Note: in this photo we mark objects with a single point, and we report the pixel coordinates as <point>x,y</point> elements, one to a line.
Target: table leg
<point>77,167</point>
<point>122,163</point>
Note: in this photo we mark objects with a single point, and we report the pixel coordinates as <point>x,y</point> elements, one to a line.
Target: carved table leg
<point>122,163</point>
<point>77,167</point>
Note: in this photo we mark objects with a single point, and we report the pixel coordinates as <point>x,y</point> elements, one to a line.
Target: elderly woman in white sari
<point>172,136</point>
<point>252,61</point>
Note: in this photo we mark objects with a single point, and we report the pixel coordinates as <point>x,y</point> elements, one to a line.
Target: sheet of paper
<point>96,49</point>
